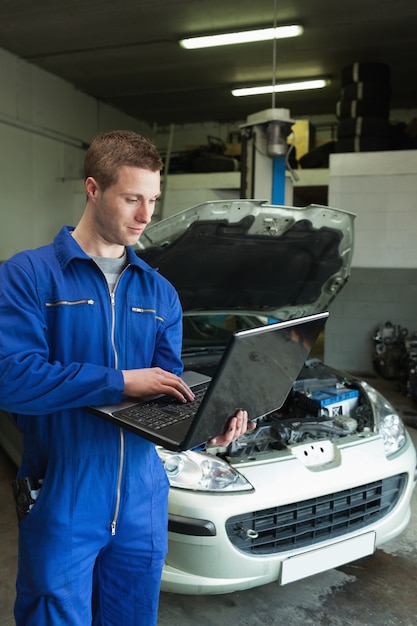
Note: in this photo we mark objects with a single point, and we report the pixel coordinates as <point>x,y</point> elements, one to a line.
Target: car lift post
<point>264,155</point>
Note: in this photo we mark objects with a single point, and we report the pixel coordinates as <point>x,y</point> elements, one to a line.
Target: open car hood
<point>253,257</point>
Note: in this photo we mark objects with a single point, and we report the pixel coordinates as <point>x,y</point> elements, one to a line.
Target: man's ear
<point>91,187</point>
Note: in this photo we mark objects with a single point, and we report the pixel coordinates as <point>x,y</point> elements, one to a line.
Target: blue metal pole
<point>278,180</point>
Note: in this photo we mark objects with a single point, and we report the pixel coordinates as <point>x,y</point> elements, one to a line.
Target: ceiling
<point>126,53</point>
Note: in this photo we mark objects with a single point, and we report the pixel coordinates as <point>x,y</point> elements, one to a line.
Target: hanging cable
<point>274,56</point>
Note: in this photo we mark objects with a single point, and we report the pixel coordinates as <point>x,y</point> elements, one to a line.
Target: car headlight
<point>200,471</point>
<point>387,421</point>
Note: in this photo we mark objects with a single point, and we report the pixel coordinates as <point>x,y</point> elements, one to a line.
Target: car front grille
<point>305,523</point>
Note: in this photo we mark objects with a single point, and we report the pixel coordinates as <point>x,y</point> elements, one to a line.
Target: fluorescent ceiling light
<point>283,87</point>
<point>248,36</point>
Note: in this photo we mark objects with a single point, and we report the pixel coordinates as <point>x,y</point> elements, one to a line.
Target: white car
<point>323,480</point>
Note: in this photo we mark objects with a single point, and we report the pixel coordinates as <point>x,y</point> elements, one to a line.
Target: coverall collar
<point>67,249</point>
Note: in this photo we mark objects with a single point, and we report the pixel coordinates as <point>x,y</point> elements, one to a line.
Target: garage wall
<point>381,188</point>
<point>45,126</point>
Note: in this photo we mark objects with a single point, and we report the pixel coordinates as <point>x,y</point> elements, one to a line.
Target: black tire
<point>362,144</point>
<point>362,108</point>
<point>366,91</point>
<point>318,157</point>
<point>364,72</point>
<point>363,127</point>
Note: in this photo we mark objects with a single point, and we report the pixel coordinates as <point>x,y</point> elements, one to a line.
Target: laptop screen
<point>258,369</point>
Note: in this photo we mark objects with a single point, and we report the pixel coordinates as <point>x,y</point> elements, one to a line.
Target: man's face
<point>121,212</point>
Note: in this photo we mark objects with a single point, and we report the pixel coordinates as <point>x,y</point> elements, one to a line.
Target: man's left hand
<point>237,426</point>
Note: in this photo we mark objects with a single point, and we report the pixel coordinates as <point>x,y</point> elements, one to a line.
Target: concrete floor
<point>376,591</point>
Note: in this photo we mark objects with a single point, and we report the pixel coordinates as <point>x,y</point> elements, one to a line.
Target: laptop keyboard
<point>164,411</point>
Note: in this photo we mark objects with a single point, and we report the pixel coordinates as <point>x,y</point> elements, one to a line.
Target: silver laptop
<point>256,373</point>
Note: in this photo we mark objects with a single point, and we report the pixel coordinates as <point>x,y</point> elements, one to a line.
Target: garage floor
<point>375,591</point>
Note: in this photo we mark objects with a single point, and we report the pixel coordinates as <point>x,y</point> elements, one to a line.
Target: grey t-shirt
<point>111,268</point>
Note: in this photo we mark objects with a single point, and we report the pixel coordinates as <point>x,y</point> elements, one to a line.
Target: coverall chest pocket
<point>146,322</point>
<point>81,320</point>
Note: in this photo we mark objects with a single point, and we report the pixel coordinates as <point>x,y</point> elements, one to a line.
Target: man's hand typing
<point>154,380</point>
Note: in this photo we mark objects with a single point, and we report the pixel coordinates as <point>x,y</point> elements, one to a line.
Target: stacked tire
<point>364,107</point>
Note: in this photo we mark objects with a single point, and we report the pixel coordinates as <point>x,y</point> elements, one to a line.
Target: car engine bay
<point>321,405</point>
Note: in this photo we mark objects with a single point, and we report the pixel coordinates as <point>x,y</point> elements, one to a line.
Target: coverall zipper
<point>70,302</point>
<point>119,480</point>
<point>136,309</point>
<point>122,436</point>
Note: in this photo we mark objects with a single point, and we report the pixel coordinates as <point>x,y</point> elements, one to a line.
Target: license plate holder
<point>328,557</point>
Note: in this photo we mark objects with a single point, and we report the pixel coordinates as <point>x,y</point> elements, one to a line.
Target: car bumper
<point>202,559</point>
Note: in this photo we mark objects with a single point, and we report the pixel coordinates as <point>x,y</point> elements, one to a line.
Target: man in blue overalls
<point>83,322</point>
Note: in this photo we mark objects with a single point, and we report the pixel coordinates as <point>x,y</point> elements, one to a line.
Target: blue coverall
<point>92,548</point>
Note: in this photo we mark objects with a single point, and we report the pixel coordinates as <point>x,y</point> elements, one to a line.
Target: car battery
<point>329,402</point>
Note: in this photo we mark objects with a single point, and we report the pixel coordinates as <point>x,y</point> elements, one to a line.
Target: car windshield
<point>212,330</point>
<point>215,329</point>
